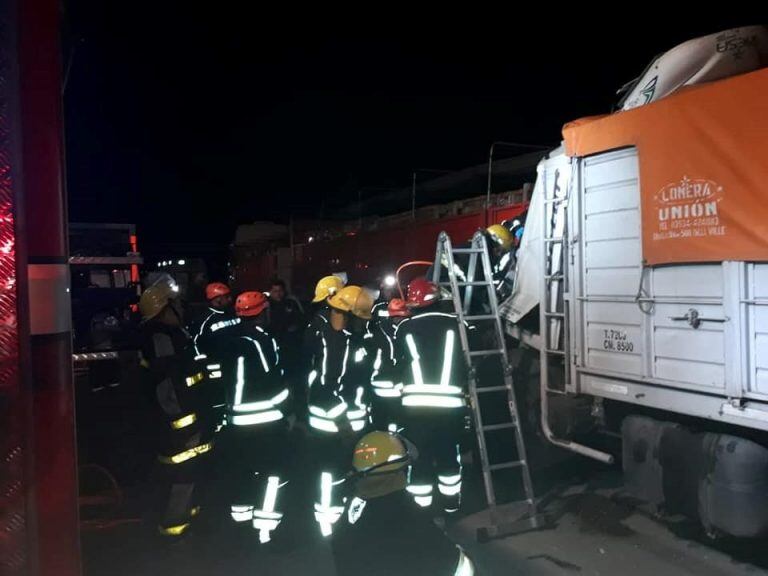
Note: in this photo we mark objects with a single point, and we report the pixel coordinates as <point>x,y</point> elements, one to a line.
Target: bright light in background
<point>389,281</point>
<point>182,262</point>
<point>311,239</point>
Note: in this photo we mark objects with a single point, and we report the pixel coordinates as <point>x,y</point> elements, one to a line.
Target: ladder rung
<point>474,283</point>
<point>504,426</point>
<point>467,250</point>
<point>481,317</point>
<point>555,200</point>
<point>554,276</point>
<point>485,389</point>
<point>555,314</point>
<point>555,352</point>
<point>486,352</point>
<point>506,465</point>
<point>555,240</point>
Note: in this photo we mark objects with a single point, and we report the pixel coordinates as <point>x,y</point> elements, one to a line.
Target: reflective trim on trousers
<point>179,529</point>
<point>423,501</point>
<point>420,489</point>
<point>241,513</point>
<point>267,519</point>
<point>447,490</point>
<point>265,526</point>
<point>186,454</point>
<point>326,514</point>
<point>184,421</point>
<point>422,494</point>
<point>173,530</point>
<point>195,379</point>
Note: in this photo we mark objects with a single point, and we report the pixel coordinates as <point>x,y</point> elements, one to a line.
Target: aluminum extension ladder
<point>500,525</point>
<point>553,318</point>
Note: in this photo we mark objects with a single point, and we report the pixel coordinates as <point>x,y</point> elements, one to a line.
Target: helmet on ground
<point>216,289</point>
<point>352,299</point>
<point>155,298</point>
<point>397,308</point>
<point>251,304</point>
<point>327,286</point>
<point>500,235</point>
<point>422,292</point>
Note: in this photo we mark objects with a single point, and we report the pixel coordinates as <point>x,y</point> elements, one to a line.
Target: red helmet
<point>397,308</point>
<point>422,292</point>
<point>216,289</point>
<point>251,304</point>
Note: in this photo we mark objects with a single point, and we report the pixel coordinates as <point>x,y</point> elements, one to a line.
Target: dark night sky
<point>190,122</point>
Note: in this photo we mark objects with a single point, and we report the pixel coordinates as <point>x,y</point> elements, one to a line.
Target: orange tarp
<point>703,156</point>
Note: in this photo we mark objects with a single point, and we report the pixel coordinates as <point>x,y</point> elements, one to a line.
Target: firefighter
<point>255,437</point>
<point>433,404</point>
<point>387,290</point>
<point>385,380</point>
<point>383,532</point>
<point>338,388</point>
<point>500,243</point>
<point>178,383</point>
<point>326,287</point>
<point>211,330</point>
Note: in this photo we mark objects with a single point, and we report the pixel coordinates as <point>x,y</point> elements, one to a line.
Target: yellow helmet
<point>500,235</point>
<point>353,299</point>
<point>381,459</point>
<point>327,286</point>
<point>375,449</point>
<point>155,298</point>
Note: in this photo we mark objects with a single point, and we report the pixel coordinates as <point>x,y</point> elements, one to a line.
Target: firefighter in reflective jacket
<point>179,385</point>
<point>501,254</point>
<point>385,380</point>
<point>255,437</point>
<point>434,383</point>
<point>326,287</point>
<point>338,388</point>
<point>210,331</point>
<point>383,532</point>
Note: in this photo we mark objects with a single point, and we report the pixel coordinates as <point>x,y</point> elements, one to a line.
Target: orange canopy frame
<point>703,160</point>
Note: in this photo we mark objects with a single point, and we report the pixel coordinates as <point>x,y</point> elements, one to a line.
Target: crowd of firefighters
<point>377,386</point>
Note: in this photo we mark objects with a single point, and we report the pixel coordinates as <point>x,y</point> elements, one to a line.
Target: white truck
<point>646,256</point>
